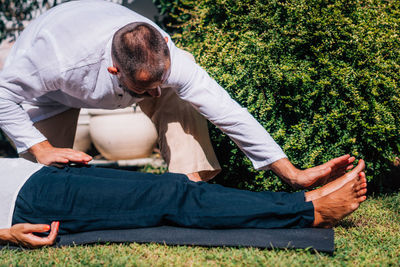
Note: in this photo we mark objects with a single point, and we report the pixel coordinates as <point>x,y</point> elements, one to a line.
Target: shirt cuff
<point>22,148</point>
<point>265,165</point>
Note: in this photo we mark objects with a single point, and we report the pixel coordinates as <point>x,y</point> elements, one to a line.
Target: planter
<point>122,134</point>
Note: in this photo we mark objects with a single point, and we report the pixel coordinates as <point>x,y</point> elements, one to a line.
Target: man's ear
<point>166,39</point>
<point>112,70</point>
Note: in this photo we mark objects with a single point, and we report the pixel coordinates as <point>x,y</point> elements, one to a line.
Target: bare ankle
<point>194,176</point>
<point>318,217</point>
<point>313,195</point>
<point>202,175</point>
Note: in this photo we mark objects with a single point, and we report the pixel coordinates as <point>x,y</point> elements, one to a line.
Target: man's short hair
<point>137,47</point>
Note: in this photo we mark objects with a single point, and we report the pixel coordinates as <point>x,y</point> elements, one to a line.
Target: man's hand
<point>22,234</point>
<point>315,176</point>
<point>46,154</point>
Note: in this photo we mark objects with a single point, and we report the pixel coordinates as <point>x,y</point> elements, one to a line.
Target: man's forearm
<point>16,124</point>
<point>215,104</point>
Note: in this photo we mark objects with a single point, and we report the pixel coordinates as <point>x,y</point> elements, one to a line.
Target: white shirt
<point>13,175</point>
<point>61,60</point>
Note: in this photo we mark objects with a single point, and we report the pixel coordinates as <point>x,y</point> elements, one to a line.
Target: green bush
<point>321,76</point>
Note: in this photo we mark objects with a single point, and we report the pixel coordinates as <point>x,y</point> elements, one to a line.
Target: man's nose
<point>155,92</point>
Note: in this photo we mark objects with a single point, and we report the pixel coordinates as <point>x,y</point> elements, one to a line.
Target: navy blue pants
<point>90,198</point>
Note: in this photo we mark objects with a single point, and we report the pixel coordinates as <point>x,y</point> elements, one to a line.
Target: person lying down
<point>37,199</point>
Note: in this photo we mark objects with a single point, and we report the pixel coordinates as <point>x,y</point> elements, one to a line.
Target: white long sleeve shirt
<point>60,61</point>
<point>13,175</point>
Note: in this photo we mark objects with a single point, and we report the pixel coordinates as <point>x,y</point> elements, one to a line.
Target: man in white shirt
<point>67,59</point>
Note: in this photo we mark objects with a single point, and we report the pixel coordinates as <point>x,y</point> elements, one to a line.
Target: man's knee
<point>183,138</point>
<point>60,129</point>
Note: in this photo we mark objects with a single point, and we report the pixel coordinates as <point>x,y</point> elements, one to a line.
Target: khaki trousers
<point>182,134</point>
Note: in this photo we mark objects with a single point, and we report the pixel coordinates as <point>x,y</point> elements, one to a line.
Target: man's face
<point>140,91</point>
<point>142,87</point>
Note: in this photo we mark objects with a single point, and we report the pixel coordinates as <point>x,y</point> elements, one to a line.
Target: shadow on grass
<point>346,224</point>
<point>386,184</point>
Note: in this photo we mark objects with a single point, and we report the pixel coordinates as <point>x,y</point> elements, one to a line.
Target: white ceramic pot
<point>122,134</point>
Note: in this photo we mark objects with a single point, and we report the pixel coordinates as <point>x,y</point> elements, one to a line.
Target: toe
<point>355,205</point>
<point>362,199</point>
<point>362,192</point>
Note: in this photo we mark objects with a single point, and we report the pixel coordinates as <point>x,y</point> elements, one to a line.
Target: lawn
<point>369,237</point>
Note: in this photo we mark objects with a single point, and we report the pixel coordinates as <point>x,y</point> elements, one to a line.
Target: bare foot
<point>335,184</point>
<point>330,209</point>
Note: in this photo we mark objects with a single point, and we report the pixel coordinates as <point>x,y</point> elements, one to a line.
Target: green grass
<point>369,237</point>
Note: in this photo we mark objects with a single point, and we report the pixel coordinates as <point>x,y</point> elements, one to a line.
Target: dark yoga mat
<point>314,238</point>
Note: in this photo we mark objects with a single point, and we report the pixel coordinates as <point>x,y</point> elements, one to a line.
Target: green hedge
<point>321,76</point>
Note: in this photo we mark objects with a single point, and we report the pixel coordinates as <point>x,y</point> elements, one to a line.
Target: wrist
<point>37,148</point>
<point>286,171</point>
<point>5,236</point>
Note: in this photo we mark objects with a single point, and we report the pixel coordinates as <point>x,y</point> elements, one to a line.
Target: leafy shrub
<point>321,76</point>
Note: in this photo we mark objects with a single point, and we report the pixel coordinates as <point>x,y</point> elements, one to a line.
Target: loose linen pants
<point>89,198</point>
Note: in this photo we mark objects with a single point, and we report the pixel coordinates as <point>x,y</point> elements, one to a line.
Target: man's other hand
<point>46,154</point>
<point>22,234</point>
<point>315,176</point>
